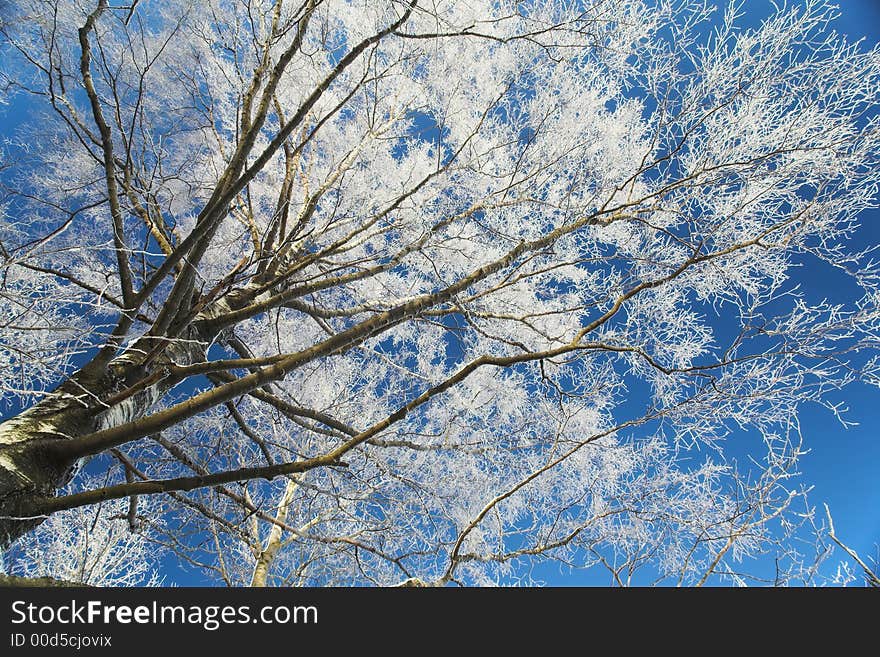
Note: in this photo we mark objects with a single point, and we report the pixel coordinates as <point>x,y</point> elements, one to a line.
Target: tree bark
<point>36,582</point>
<point>273,542</point>
<point>31,469</point>
<point>27,468</point>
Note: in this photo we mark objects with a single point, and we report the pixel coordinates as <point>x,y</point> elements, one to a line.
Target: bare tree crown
<point>333,292</point>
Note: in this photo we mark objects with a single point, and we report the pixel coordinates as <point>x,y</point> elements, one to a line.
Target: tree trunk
<point>35,582</point>
<point>29,469</point>
<point>273,542</point>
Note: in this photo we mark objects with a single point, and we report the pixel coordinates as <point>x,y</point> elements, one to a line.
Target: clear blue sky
<point>843,464</point>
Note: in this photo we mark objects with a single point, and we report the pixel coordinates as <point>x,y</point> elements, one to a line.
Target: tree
<point>103,545</point>
<point>431,292</point>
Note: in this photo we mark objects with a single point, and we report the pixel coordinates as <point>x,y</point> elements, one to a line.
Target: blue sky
<point>843,464</point>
